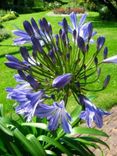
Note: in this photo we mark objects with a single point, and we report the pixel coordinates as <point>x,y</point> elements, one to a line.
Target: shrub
<point>105,13</point>
<point>4,34</point>
<point>1,26</point>
<point>68,10</point>
<point>37,9</point>
<point>2,12</point>
<point>53,5</point>
<point>9,16</point>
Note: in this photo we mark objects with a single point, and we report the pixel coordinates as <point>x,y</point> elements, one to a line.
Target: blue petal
<point>65,124</point>
<point>73,19</point>
<point>82,19</point>
<point>20,33</point>
<point>28,28</point>
<point>62,80</point>
<point>54,122</point>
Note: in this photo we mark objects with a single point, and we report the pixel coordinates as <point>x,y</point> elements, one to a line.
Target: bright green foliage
<point>33,139</point>
<point>3,34</point>
<point>9,16</point>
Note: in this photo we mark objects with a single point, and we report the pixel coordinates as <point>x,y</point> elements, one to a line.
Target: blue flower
<point>91,112</point>
<point>14,63</point>
<point>56,114</point>
<point>112,59</point>
<point>23,37</point>
<point>62,80</point>
<point>28,100</point>
<point>100,42</point>
<point>81,29</point>
<point>32,30</point>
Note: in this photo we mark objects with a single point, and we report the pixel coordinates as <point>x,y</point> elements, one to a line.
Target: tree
<point>111,4</point>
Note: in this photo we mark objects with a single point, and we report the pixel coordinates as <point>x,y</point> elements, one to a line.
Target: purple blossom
<point>23,37</point>
<point>81,29</point>
<point>62,80</point>
<point>100,42</point>
<point>14,63</point>
<point>105,52</point>
<point>91,112</point>
<point>31,30</point>
<point>112,59</point>
<point>56,114</point>
<point>28,100</point>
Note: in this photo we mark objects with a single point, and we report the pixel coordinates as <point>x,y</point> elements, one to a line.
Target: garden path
<point>110,127</point>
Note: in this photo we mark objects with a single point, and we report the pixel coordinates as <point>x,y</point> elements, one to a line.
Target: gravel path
<point>110,127</point>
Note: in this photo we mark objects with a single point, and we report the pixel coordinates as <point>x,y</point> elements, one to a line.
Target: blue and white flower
<point>91,112</point>
<point>57,116</point>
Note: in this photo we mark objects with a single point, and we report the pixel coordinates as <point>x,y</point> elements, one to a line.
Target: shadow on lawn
<point>14,52</point>
<point>97,22</point>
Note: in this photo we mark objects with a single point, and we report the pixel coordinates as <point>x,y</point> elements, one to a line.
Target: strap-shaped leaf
<point>48,152</point>
<point>36,125</point>
<point>2,147</point>
<point>23,140</point>
<point>15,150</point>
<point>75,113</point>
<point>1,110</point>
<point>86,130</point>
<point>55,143</point>
<point>77,146</point>
<point>36,145</point>
<point>92,139</point>
<point>4,128</point>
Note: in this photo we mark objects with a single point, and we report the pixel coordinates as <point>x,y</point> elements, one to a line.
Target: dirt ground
<point>110,127</point>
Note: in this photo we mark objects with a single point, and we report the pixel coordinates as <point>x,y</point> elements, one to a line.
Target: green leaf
<point>48,152</point>
<point>93,139</point>
<point>4,128</point>
<point>55,143</point>
<point>75,145</point>
<point>23,140</point>
<point>36,125</point>
<point>86,130</point>
<point>1,110</point>
<point>2,147</point>
<point>76,112</point>
<point>36,145</point>
<point>15,149</point>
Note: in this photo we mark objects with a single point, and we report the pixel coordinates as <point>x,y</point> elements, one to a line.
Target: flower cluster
<point>59,66</point>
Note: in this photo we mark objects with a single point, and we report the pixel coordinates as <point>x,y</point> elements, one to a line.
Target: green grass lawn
<point>105,99</point>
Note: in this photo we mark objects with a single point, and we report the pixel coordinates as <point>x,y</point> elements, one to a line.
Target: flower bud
<point>62,80</point>
<point>100,42</point>
<point>112,59</point>
<point>28,28</point>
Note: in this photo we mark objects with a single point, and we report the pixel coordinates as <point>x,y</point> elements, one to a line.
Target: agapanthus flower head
<point>61,67</point>
<point>56,115</point>
<point>91,112</point>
